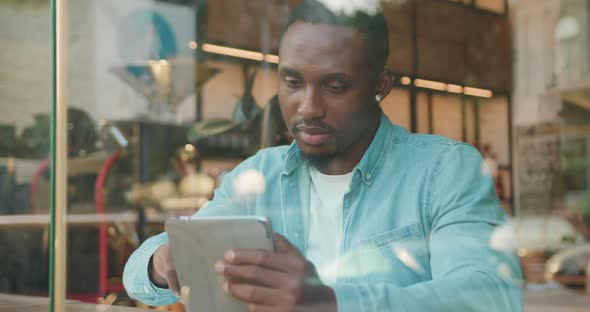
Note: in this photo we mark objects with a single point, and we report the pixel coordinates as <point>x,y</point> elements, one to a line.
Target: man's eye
<point>336,87</point>
<point>292,82</point>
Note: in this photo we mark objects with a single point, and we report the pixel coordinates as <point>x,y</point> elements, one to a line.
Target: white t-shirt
<point>325,222</point>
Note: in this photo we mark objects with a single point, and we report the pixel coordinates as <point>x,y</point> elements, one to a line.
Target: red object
<point>100,209</point>
<point>35,180</point>
<point>33,187</point>
<point>499,190</point>
<point>102,234</point>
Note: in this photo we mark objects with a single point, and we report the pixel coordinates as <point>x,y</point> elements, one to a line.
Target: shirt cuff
<point>136,276</point>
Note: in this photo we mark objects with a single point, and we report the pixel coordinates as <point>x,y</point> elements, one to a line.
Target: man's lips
<point>314,135</point>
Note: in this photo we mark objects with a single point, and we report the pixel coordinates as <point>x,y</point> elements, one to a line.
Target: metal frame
<point>201,19</point>
<point>415,67</point>
<point>513,182</point>
<point>58,169</point>
<point>463,118</point>
<point>476,112</point>
<point>430,112</point>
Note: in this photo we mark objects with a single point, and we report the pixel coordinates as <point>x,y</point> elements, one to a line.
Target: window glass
<point>25,110</point>
<point>327,155</point>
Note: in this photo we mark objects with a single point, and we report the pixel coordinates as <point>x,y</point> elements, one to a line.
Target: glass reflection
<point>167,98</point>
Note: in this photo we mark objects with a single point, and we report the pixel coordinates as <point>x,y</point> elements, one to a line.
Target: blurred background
<point>164,97</point>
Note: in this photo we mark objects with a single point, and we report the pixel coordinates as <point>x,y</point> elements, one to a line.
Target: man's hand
<point>275,281</point>
<point>162,270</point>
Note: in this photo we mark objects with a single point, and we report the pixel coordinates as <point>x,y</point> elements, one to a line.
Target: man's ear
<point>384,83</point>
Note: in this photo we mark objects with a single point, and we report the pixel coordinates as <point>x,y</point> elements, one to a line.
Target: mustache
<point>311,123</point>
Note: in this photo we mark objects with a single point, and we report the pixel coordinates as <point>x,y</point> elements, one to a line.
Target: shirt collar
<point>370,163</point>
<point>292,159</point>
<point>374,157</point>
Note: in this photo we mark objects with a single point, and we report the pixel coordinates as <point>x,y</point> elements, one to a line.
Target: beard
<point>314,159</point>
<point>317,160</point>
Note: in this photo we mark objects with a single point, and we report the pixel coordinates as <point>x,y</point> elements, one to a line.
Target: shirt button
<point>368,176</point>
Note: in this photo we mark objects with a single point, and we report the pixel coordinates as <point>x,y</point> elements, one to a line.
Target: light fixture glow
<point>272,58</point>
<point>478,92</point>
<point>406,80</point>
<point>429,84</point>
<point>447,87</point>
<point>453,88</point>
<point>251,55</point>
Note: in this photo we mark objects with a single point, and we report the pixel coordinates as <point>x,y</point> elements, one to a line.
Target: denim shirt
<point>418,220</point>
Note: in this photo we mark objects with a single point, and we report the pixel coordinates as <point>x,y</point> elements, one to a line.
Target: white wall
<point>122,41</point>
<point>25,67</point>
<point>25,58</point>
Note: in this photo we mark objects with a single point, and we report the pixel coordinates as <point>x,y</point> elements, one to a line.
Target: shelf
<point>34,304</point>
<point>79,219</point>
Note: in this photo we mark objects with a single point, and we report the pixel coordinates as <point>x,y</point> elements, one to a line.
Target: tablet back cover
<point>197,244</point>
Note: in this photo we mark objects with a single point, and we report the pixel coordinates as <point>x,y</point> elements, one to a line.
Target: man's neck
<point>345,161</point>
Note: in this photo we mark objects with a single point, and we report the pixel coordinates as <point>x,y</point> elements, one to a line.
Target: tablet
<point>196,245</point>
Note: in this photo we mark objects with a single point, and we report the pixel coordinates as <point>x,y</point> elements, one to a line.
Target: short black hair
<point>372,27</point>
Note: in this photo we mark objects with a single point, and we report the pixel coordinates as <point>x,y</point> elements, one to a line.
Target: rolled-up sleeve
<point>135,275</point>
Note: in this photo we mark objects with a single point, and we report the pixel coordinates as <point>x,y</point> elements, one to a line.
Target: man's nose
<point>311,105</point>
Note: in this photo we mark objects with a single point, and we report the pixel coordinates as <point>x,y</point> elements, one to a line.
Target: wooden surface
<point>556,300</point>
<point>13,303</point>
<point>536,300</point>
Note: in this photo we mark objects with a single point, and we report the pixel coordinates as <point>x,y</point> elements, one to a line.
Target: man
<point>371,217</point>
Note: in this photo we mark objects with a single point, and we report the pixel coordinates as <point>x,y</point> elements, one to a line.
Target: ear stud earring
<point>378,98</point>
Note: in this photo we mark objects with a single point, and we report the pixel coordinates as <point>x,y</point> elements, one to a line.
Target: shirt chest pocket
<point>397,256</point>
<point>405,233</point>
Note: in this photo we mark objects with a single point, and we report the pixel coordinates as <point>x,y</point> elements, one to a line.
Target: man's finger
<point>252,274</point>
<point>324,307</point>
<point>257,295</point>
<point>261,308</point>
<point>172,279</point>
<point>284,245</point>
<point>265,308</point>
<point>263,258</point>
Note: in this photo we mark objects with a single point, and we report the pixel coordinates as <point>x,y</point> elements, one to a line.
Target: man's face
<point>326,89</point>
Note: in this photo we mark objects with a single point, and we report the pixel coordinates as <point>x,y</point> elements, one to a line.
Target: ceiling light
<point>478,92</point>
<point>429,84</point>
<point>271,58</point>
<point>211,48</point>
<point>453,88</point>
